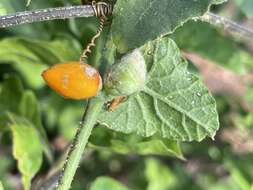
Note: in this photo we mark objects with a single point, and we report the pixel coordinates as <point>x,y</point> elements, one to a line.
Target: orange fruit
<point>73,80</point>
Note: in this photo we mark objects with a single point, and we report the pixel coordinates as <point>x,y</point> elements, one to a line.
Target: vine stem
<point>46,15</point>
<point>81,139</point>
<point>227,25</point>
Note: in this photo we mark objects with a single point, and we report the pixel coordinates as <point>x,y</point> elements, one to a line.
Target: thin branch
<point>227,25</point>
<point>45,15</point>
<point>80,141</point>
<point>88,11</point>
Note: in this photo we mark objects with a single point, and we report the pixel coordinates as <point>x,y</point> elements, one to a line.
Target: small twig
<point>45,15</point>
<point>227,25</point>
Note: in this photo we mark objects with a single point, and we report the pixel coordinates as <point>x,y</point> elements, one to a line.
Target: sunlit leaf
<point>107,183</point>
<point>158,175</point>
<point>1,186</point>
<point>27,148</point>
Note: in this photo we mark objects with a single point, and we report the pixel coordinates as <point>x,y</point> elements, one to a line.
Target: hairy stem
<point>77,148</point>
<point>46,14</point>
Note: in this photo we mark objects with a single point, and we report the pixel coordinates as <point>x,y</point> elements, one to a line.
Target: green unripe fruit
<point>126,76</point>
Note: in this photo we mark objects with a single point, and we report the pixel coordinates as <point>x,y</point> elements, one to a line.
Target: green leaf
<point>147,147</point>
<point>133,144</point>
<point>31,57</point>
<point>138,21</point>
<point>158,175</point>
<point>14,99</point>
<point>1,186</point>
<point>29,109</point>
<point>107,183</point>
<point>27,148</point>
<point>174,103</point>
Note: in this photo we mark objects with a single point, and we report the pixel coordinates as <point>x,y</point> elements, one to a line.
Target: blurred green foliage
<point>246,6</point>
<point>33,118</point>
<point>222,50</point>
<point>106,183</point>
